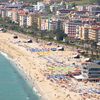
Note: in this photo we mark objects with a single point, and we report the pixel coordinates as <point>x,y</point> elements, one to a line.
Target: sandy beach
<point>35,65</point>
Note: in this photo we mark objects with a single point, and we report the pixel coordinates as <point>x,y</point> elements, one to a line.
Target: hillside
<point>33,1</point>
<point>82,2</point>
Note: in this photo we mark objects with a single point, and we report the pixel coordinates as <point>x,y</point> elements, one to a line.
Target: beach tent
<point>87,60</point>
<point>1,29</point>
<point>79,77</point>
<point>29,41</point>
<point>60,48</point>
<point>49,43</point>
<point>15,37</point>
<point>77,56</point>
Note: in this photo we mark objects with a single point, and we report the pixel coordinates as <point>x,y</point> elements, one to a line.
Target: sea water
<point>12,85</point>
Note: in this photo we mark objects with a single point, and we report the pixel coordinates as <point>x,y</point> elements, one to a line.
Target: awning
<point>87,59</point>
<point>79,77</point>
<point>98,43</point>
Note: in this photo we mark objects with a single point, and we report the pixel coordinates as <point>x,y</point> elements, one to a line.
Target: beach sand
<point>34,67</point>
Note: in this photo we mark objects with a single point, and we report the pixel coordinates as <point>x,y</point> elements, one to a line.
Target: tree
<point>47,8</point>
<point>60,34</point>
<point>73,4</point>
<point>95,1</point>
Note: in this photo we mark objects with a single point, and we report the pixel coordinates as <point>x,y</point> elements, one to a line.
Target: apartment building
<point>27,18</point>
<point>54,25</point>
<point>91,70</point>
<point>22,18</point>
<point>14,15</point>
<point>44,23</point>
<point>94,33</point>
<point>3,13</point>
<point>9,13</point>
<point>84,32</point>
<point>71,28</point>
<point>93,9</point>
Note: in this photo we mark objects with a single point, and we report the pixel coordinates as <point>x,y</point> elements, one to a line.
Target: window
<point>93,72</point>
<point>84,71</point>
<point>84,67</point>
<point>94,69</point>
<point>94,76</point>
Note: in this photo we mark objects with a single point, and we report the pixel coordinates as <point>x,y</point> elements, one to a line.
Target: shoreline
<point>20,71</point>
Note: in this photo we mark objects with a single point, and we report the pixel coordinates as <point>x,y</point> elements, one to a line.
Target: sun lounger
<point>53,49</point>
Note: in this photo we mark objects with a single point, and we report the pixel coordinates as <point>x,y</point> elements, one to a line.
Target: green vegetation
<point>95,1</point>
<point>78,2</point>
<point>32,1</point>
<point>84,2</point>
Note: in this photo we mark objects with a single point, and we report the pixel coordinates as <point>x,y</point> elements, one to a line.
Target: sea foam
<point>4,54</point>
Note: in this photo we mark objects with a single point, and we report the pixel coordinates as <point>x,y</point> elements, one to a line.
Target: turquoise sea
<point>12,84</point>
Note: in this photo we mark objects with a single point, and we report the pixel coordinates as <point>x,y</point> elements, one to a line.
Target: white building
<point>9,13</point>
<point>91,70</point>
<point>93,9</point>
<point>81,8</point>
<point>71,29</point>
<point>40,6</point>
<point>3,13</point>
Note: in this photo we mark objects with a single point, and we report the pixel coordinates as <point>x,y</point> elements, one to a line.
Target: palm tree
<point>93,47</point>
<point>97,53</point>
